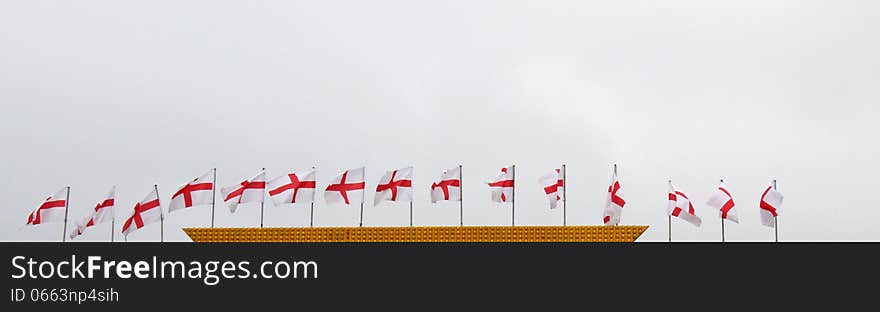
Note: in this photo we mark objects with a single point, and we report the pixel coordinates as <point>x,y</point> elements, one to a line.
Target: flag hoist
<point>198,192</point>
<point>53,209</point>
<point>680,206</point>
<point>147,211</point>
<point>396,186</point>
<point>554,188</point>
<point>102,212</point>
<point>503,190</point>
<point>614,201</point>
<point>290,189</point>
<point>247,191</point>
<point>771,202</point>
<point>448,188</point>
<point>723,201</point>
<point>347,187</point>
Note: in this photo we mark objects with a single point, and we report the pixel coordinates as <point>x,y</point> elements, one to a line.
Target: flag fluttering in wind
<point>614,202</point>
<point>199,191</point>
<point>145,212</point>
<point>553,185</point>
<point>293,189</point>
<point>247,191</point>
<point>680,206</point>
<point>348,188</point>
<point>502,186</point>
<point>53,209</point>
<point>102,212</point>
<point>771,202</point>
<point>723,201</point>
<point>395,186</point>
<point>449,186</point>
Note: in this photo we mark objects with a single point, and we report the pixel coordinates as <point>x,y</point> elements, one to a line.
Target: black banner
<point>272,276</point>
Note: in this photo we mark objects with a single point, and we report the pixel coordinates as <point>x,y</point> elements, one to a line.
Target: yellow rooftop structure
<point>524,234</point>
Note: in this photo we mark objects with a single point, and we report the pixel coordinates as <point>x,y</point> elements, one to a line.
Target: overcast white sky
<point>131,93</point>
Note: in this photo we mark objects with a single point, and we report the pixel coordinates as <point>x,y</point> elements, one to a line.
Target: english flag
<point>347,188</point>
<point>449,186</point>
<point>680,206</point>
<point>247,191</point>
<point>199,191</point>
<point>102,212</point>
<point>52,209</point>
<point>293,189</point>
<point>614,202</point>
<point>553,184</point>
<point>771,202</point>
<point>145,212</point>
<point>723,201</point>
<point>395,186</point>
<point>502,186</point>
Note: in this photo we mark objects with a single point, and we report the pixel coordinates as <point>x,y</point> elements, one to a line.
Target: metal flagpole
<point>66,204</point>
<point>213,196</point>
<point>722,221</point>
<point>262,202</point>
<point>312,215</point>
<point>161,215</point>
<point>669,218</point>
<point>460,197</point>
<point>776,218</point>
<point>410,213</point>
<point>362,214</point>
<point>112,227</point>
<point>564,198</point>
<point>512,196</point>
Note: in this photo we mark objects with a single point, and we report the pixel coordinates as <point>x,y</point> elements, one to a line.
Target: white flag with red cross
<point>51,210</point>
<point>145,212</point>
<point>449,186</point>
<point>247,191</point>
<point>395,185</point>
<point>553,184</point>
<point>102,212</point>
<point>347,188</point>
<point>198,192</point>
<point>614,202</point>
<point>293,189</point>
<point>502,186</point>
<point>771,202</point>
<point>723,201</point>
<point>682,207</point>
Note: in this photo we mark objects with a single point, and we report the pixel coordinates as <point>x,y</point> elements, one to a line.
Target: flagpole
<point>564,198</point>
<point>161,215</point>
<point>262,202</point>
<point>410,213</point>
<point>722,221</point>
<point>213,196</point>
<point>66,204</point>
<point>460,196</point>
<point>312,215</point>
<point>776,218</point>
<point>513,196</point>
<point>669,218</point>
<point>362,215</point>
<point>112,226</point>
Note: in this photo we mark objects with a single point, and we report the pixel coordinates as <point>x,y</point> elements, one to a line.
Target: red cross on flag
<point>723,201</point>
<point>145,212</point>
<point>347,188</point>
<point>614,202</point>
<point>102,212</point>
<point>51,210</point>
<point>449,186</point>
<point>395,186</point>
<point>771,201</point>
<point>247,191</point>
<point>680,206</point>
<point>293,189</point>
<point>502,186</point>
<point>553,184</point>
<point>199,191</point>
